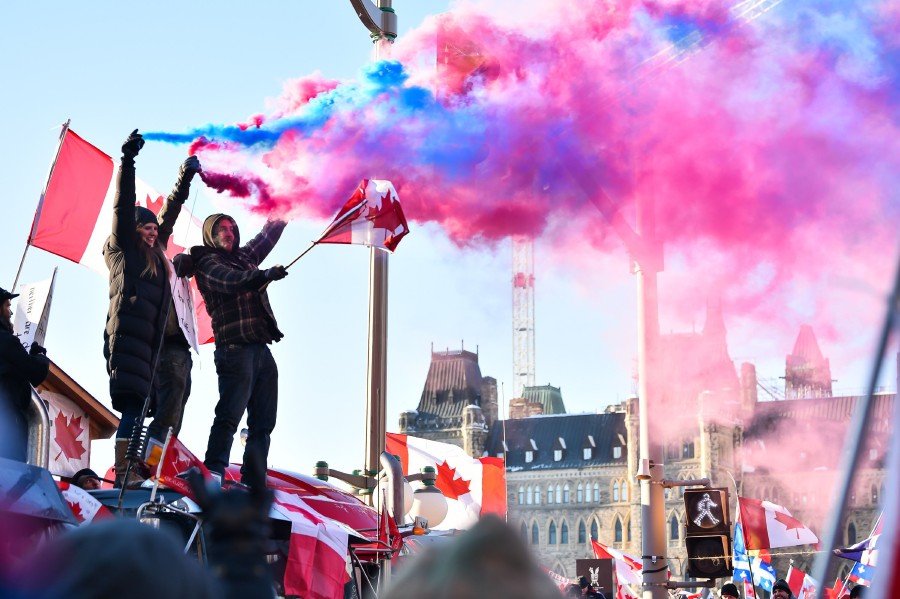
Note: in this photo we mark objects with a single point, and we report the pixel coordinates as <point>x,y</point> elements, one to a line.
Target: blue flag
<point>763,574</point>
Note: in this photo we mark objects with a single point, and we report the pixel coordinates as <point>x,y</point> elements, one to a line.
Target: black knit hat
<point>142,216</point>
<point>729,590</point>
<point>781,585</point>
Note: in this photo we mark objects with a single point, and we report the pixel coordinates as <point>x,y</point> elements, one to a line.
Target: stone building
<point>458,404</point>
<point>570,477</point>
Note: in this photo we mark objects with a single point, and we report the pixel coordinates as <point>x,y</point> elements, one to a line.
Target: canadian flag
<point>803,586</point>
<point>767,525</point>
<point>628,569</point>
<point>85,506</point>
<point>74,218</point>
<point>472,486</point>
<point>318,556</point>
<point>372,216</point>
<point>173,459</point>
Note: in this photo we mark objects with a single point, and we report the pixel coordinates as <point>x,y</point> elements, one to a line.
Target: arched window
<point>618,528</point>
<point>673,529</point>
<point>558,493</point>
<point>596,492</point>
<point>564,534</point>
<point>529,497</point>
<point>628,530</point>
<point>537,496</point>
<point>851,534</point>
<point>552,539</point>
<point>582,533</point>
<point>624,490</point>
<point>566,493</point>
<point>535,537</point>
<point>594,530</point>
<point>579,494</point>
<point>524,532</point>
<point>521,495</point>
<point>549,493</point>
<point>616,491</point>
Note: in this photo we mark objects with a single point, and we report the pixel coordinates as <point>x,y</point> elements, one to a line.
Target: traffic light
<point>707,537</point>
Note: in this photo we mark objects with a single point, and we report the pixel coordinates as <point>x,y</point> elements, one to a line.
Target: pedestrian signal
<point>707,536</point>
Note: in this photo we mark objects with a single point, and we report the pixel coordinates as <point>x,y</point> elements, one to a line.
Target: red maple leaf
<point>453,488</point>
<point>67,433</point>
<point>76,510</point>
<point>789,522</point>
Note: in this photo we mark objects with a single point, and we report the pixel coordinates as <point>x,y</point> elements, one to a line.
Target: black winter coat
<point>18,369</point>
<point>138,304</point>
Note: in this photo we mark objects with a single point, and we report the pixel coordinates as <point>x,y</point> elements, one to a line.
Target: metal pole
<point>376,393</point>
<point>653,518</point>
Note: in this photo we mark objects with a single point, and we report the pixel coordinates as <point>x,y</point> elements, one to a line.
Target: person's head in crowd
<point>487,561</point>
<point>857,591</point>
<point>730,591</point>
<point>573,590</point>
<point>6,308</point>
<point>781,590</point>
<point>87,479</point>
<point>115,558</point>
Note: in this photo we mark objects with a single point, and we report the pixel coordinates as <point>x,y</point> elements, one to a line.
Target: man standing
<point>19,370</point>
<point>243,323</point>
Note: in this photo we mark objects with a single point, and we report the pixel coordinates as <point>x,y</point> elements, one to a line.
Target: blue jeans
<point>173,387</point>
<point>248,380</point>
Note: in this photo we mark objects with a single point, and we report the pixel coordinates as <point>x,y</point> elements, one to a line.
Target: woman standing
<point>139,298</point>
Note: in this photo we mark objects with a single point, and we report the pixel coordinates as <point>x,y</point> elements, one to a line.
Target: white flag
<point>33,311</point>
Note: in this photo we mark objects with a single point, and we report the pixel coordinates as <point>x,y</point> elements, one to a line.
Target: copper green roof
<point>548,396</point>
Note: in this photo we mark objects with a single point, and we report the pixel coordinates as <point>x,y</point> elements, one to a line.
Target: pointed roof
<point>806,347</point>
<point>548,396</point>
<point>453,382</point>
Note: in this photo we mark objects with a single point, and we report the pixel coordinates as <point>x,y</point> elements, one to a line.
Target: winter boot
<point>134,478</point>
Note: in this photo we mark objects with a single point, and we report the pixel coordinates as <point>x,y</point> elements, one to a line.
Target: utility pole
<point>381,21</point>
<point>646,254</point>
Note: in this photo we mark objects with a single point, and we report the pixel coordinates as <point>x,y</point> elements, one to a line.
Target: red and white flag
<point>559,580</point>
<point>372,216</point>
<point>85,506</point>
<point>768,525</point>
<point>749,591</point>
<point>803,586</point>
<point>174,460</point>
<point>319,556</point>
<point>472,486</point>
<point>74,218</point>
<point>628,569</point>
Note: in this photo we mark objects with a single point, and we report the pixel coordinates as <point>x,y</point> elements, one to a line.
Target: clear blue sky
<point>169,66</point>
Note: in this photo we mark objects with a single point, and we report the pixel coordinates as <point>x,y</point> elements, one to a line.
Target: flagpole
<point>856,437</point>
<point>37,212</point>
<point>159,466</point>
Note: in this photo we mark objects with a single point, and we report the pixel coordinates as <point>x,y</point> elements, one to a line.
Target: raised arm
<point>260,246</point>
<point>172,208</point>
<point>124,201</point>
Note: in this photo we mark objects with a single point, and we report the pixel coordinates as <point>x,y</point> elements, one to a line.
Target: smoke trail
<point>767,133</point>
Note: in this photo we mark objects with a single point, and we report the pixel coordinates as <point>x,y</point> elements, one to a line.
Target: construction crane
<point>523,313</point>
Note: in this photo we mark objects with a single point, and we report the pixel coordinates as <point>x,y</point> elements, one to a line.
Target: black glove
<point>189,168</point>
<point>133,144</point>
<point>184,265</point>
<point>276,273</point>
<point>37,349</point>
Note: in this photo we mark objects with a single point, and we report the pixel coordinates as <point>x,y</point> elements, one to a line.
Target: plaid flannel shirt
<point>230,284</point>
